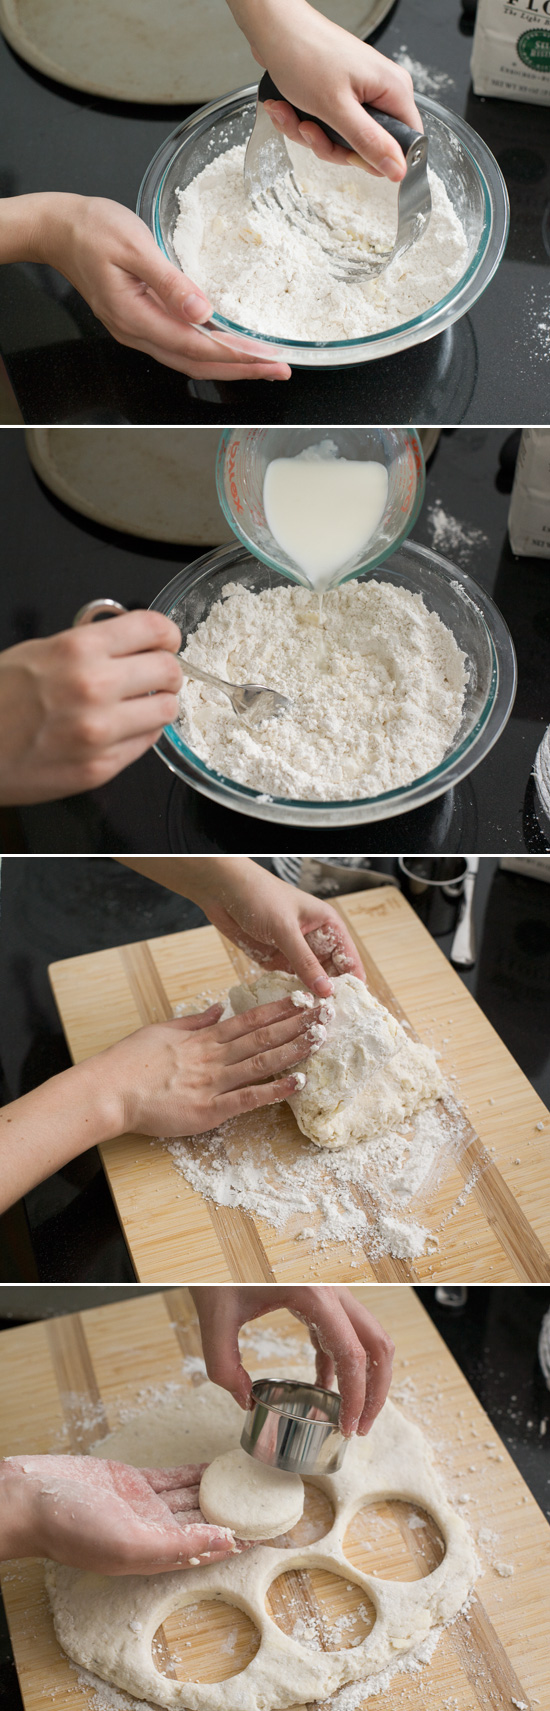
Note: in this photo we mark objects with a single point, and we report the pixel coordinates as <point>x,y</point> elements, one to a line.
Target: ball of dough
<point>257,1502</point>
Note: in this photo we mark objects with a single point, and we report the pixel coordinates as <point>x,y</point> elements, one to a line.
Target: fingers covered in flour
<point>348,1342</point>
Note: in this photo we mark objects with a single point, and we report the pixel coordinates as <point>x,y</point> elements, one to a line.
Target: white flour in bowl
<point>270,277</point>
<point>377,690</point>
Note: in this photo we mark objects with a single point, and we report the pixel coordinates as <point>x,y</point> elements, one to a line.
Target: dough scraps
<point>255,1501</point>
<point>366,1077</point>
<point>107,1624</point>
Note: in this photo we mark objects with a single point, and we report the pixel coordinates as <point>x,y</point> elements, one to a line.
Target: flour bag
<point>511,53</point>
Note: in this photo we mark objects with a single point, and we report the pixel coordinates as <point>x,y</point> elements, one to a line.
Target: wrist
<point>99,1090</point>
<point>262,21</point>
<point>205,876</point>
<point>54,227</point>
<point>30,225</point>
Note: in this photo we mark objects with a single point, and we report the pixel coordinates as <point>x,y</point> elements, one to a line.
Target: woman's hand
<point>143,300</point>
<point>106,1517</point>
<point>190,1075</point>
<point>324,70</point>
<point>173,1078</point>
<point>347,1340</point>
<point>78,707</point>
<point>280,926</point>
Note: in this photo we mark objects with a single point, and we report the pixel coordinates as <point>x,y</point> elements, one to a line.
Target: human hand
<point>190,1075</point>
<point>106,1517</point>
<point>324,70</point>
<point>347,1340</point>
<point>111,257</point>
<point>78,707</point>
<point>280,926</point>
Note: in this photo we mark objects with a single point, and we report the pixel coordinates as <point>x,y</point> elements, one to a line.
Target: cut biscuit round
<point>255,1501</point>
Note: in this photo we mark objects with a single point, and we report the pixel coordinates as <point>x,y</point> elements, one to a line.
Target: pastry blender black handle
<point>403,134</point>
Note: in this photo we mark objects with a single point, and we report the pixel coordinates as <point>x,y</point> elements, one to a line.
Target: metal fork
<point>251,701</point>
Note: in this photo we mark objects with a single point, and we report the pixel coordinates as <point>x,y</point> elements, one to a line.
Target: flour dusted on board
<point>377,692</point>
<point>265,274</point>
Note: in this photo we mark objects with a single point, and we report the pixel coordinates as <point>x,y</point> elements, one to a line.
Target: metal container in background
<point>434,886</point>
<point>294,1427</point>
<point>329,876</point>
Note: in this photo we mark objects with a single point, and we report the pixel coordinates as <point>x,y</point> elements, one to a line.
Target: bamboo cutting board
<point>491,1211</point>
<point>88,1367</point>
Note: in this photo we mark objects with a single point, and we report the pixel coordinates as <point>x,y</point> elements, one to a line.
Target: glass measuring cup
<point>242,460</point>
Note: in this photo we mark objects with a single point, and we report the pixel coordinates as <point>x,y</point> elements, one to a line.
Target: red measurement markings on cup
<point>231,460</point>
<point>413,466</point>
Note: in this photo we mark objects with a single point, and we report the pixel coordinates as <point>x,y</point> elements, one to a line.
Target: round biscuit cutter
<point>294,1427</point>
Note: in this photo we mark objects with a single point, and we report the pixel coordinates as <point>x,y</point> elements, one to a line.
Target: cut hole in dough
<point>257,1502</point>
<point>397,1541</point>
<point>324,1611</point>
<point>315,1523</point>
<point>207,1641</point>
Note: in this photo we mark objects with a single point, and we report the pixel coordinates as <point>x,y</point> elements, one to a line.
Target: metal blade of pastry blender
<point>269,177</point>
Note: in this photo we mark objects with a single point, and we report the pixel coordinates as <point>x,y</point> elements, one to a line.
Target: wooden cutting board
<point>87,1367</point>
<point>496,1231</point>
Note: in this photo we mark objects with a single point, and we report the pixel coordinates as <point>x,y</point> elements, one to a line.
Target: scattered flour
<point>270,277</point>
<point>536,319</point>
<point>377,689</point>
<point>489,1543</point>
<point>451,536</point>
<point>357,1195</point>
<point>426,80</point>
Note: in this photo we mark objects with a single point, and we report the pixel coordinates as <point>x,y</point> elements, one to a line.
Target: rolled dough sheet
<point>108,1625</point>
<point>257,1502</point>
<point>131,50</point>
<point>367,1076</point>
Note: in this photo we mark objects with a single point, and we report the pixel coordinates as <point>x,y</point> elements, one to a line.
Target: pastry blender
<point>269,177</point>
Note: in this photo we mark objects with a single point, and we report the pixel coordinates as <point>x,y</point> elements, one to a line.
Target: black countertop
<point>55,560</point>
<point>52,909</point>
<point>493,1339</point>
<point>492,366</point>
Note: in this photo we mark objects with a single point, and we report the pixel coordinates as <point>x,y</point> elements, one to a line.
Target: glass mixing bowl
<point>477,625</point>
<point>242,460</point>
<point>472,177</point>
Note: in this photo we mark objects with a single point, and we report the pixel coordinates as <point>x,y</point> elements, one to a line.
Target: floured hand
<point>347,1340</point>
<point>107,1517</point>
<point>280,926</point>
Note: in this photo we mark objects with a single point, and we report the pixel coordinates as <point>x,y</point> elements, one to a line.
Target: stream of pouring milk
<point>323,509</point>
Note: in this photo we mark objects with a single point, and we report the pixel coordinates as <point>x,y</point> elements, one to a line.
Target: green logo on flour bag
<point>534,49</point>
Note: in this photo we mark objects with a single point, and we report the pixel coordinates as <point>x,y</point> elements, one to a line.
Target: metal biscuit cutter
<point>269,178</point>
<point>294,1427</point>
<point>250,701</point>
